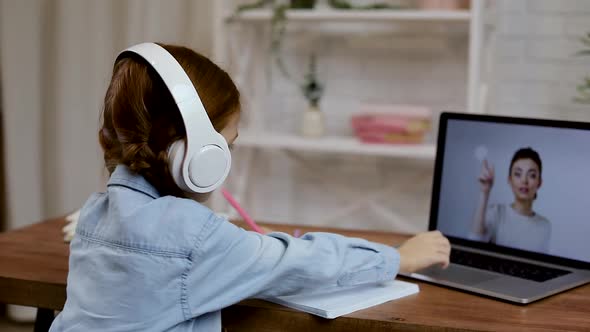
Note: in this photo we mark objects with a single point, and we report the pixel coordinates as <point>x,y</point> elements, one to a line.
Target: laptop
<point>521,234</point>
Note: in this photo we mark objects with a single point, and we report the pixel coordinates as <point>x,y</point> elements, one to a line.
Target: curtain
<point>2,162</point>
<point>56,59</point>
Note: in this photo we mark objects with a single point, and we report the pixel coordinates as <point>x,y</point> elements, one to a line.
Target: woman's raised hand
<point>486,177</point>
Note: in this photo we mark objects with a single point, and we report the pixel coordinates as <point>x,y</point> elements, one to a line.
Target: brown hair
<point>140,118</point>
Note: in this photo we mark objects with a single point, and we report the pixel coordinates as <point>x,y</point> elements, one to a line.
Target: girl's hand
<point>486,177</point>
<point>424,250</point>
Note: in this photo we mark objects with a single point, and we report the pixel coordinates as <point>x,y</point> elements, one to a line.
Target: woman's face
<point>524,179</point>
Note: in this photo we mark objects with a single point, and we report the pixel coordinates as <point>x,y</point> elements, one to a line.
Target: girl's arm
<point>229,264</point>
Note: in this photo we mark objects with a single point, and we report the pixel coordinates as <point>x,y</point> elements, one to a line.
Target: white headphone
<point>201,164</point>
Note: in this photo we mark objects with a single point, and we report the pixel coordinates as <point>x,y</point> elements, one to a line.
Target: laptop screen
<point>516,183</point>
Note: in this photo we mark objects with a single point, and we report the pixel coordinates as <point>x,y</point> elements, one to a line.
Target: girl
<point>515,225</point>
<point>148,256</point>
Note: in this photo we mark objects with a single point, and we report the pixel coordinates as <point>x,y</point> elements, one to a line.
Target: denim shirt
<point>144,262</point>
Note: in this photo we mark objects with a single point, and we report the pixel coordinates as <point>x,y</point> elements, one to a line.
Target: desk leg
<point>44,319</point>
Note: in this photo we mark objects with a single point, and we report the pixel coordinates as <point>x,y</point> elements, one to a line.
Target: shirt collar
<point>123,176</point>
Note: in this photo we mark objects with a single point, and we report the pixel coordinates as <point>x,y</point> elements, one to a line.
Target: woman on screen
<point>514,225</point>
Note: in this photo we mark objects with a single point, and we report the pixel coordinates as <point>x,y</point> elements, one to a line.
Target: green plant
<point>253,5</point>
<point>343,4</point>
<point>302,4</point>
<point>584,87</point>
<point>278,29</point>
<point>279,21</point>
<point>278,25</point>
<point>312,89</point>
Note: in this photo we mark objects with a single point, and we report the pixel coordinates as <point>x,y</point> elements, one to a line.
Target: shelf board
<point>335,144</point>
<point>359,15</point>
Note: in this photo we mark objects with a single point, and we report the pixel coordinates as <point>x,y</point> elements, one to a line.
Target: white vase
<point>313,122</point>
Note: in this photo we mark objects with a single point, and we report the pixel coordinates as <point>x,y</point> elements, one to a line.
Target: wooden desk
<point>34,266</point>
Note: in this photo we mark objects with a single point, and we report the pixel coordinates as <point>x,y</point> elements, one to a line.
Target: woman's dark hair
<point>140,118</point>
<point>526,153</point>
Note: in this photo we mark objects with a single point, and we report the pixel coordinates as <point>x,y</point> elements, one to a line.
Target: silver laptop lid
<point>514,185</point>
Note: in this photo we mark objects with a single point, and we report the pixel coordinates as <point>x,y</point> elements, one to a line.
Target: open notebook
<point>332,303</point>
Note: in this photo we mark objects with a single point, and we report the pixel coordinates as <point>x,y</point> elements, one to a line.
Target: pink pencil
<point>241,211</point>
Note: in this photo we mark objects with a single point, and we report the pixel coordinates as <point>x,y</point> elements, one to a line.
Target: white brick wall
<point>536,76</point>
<point>552,7</point>
<point>537,71</point>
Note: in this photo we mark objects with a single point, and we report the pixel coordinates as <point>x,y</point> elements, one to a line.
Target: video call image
<point>518,186</point>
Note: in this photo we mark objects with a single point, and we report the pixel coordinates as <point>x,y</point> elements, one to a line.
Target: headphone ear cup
<point>208,168</point>
<point>176,153</point>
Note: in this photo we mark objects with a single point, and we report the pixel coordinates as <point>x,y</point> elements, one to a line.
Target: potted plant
<point>312,89</point>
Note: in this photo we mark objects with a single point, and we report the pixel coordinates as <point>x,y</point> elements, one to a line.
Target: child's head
<point>524,174</point>
<point>140,118</point>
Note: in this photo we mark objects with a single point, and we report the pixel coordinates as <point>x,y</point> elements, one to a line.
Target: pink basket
<point>395,124</point>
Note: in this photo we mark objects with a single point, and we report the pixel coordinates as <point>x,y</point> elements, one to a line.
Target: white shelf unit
<point>476,90</point>
<point>252,59</point>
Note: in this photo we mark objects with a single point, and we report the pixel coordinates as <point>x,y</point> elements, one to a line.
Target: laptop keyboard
<point>505,266</point>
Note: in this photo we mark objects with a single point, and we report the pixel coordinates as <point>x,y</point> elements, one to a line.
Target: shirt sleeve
<point>230,264</point>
